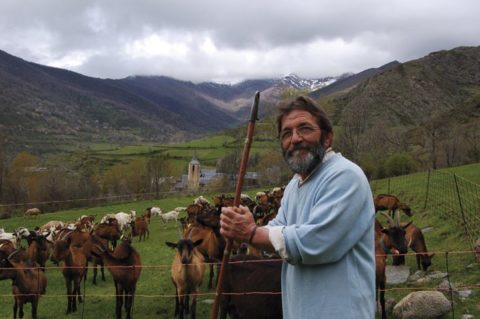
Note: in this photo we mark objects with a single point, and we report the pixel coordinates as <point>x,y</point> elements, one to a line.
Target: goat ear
<point>406,225</point>
<point>197,242</point>
<point>171,245</point>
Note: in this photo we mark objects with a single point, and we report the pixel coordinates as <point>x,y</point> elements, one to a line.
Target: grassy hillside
<point>155,290</point>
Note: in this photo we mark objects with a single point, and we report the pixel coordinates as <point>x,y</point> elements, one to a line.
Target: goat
<point>193,210</point>
<point>38,249</point>
<point>123,219</point>
<point>74,269</point>
<point>147,214</point>
<point>155,211</point>
<point>246,274</point>
<point>188,267</point>
<point>262,210</point>
<point>211,247</point>
<point>32,212</point>
<point>390,203</point>
<point>6,246</point>
<point>387,240</point>
<point>172,215</point>
<point>28,282</point>
<point>277,195</point>
<point>416,242</point>
<point>92,253</point>
<point>51,226</point>
<point>125,266</point>
<point>109,231</point>
<point>21,233</point>
<point>202,201</point>
<point>84,239</point>
<point>8,236</point>
<point>140,228</point>
<point>86,222</point>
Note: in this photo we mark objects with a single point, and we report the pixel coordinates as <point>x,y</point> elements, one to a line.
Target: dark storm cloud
<point>231,40</point>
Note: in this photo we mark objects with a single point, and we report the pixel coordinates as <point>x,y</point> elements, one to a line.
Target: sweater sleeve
<point>339,215</point>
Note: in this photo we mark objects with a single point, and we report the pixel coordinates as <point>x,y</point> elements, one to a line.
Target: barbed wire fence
<point>455,198</point>
<point>167,292</point>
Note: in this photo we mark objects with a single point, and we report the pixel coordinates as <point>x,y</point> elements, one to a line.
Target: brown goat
<point>84,239</point>
<point>109,231</point>
<point>32,212</point>
<point>6,246</point>
<point>212,246</point>
<point>38,249</point>
<point>387,240</point>
<point>147,215</point>
<point>188,268</point>
<point>74,269</point>
<point>140,228</point>
<point>390,203</point>
<point>192,211</point>
<point>28,282</point>
<point>125,267</point>
<point>92,253</point>
<point>416,242</point>
<point>245,274</point>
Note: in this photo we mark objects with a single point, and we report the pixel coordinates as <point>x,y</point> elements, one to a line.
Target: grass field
<point>155,291</point>
<point>207,150</point>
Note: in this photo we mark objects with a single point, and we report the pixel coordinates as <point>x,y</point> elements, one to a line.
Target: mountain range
<point>45,109</point>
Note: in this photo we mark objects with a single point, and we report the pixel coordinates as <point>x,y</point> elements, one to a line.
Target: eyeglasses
<point>302,131</point>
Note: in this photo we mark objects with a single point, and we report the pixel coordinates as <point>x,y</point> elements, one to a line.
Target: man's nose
<point>296,138</point>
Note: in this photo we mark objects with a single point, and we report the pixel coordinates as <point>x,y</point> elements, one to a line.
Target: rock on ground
<point>422,305</point>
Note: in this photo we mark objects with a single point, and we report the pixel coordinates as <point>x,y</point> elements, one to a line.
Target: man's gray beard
<point>306,165</point>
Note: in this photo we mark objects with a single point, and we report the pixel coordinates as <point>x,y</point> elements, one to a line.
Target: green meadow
<point>154,298</point>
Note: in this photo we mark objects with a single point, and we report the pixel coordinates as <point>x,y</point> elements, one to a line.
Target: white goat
<point>21,233</point>
<point>107,217</point>
<point>8,236</point>
<point>155,211</point>
<point>171,215</point>
<point>123,219</point>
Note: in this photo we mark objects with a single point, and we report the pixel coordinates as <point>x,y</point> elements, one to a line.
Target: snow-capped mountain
<point>310,84</point>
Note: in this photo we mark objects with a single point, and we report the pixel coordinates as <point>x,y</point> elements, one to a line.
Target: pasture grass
<point>155,290</point>
<point>207,150</point>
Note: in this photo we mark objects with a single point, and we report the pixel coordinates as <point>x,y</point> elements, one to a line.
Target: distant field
<point>155,290</point>
<point>207,150</point>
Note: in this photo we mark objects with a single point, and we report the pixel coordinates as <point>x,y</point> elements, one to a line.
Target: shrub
<point>400,164</point>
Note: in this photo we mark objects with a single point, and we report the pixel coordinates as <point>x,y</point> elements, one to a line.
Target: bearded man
<point>324,229</point>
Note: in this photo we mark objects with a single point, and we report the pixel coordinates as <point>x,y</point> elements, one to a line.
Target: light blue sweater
<point>329,239</point>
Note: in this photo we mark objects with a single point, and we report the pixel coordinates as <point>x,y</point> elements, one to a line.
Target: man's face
<point>300,138</point>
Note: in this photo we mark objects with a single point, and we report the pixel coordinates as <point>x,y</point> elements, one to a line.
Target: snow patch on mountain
<point>309,84</point>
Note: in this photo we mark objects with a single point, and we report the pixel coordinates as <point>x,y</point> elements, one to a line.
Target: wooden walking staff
<point>236,201</point>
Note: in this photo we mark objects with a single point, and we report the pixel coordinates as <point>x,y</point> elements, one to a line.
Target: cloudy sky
<point>232,40</point>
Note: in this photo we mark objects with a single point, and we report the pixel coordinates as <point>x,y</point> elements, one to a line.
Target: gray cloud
<point>232,40</point>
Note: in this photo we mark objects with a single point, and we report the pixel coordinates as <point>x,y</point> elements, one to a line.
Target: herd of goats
<point>109,243</point>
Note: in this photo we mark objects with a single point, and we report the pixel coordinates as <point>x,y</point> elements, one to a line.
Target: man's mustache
<point>298,147</point>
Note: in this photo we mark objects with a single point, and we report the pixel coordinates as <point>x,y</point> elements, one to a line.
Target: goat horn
<point>11,255</point>
<point>1,245</point>
<point>397,217</point>
<point>389,219</point>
